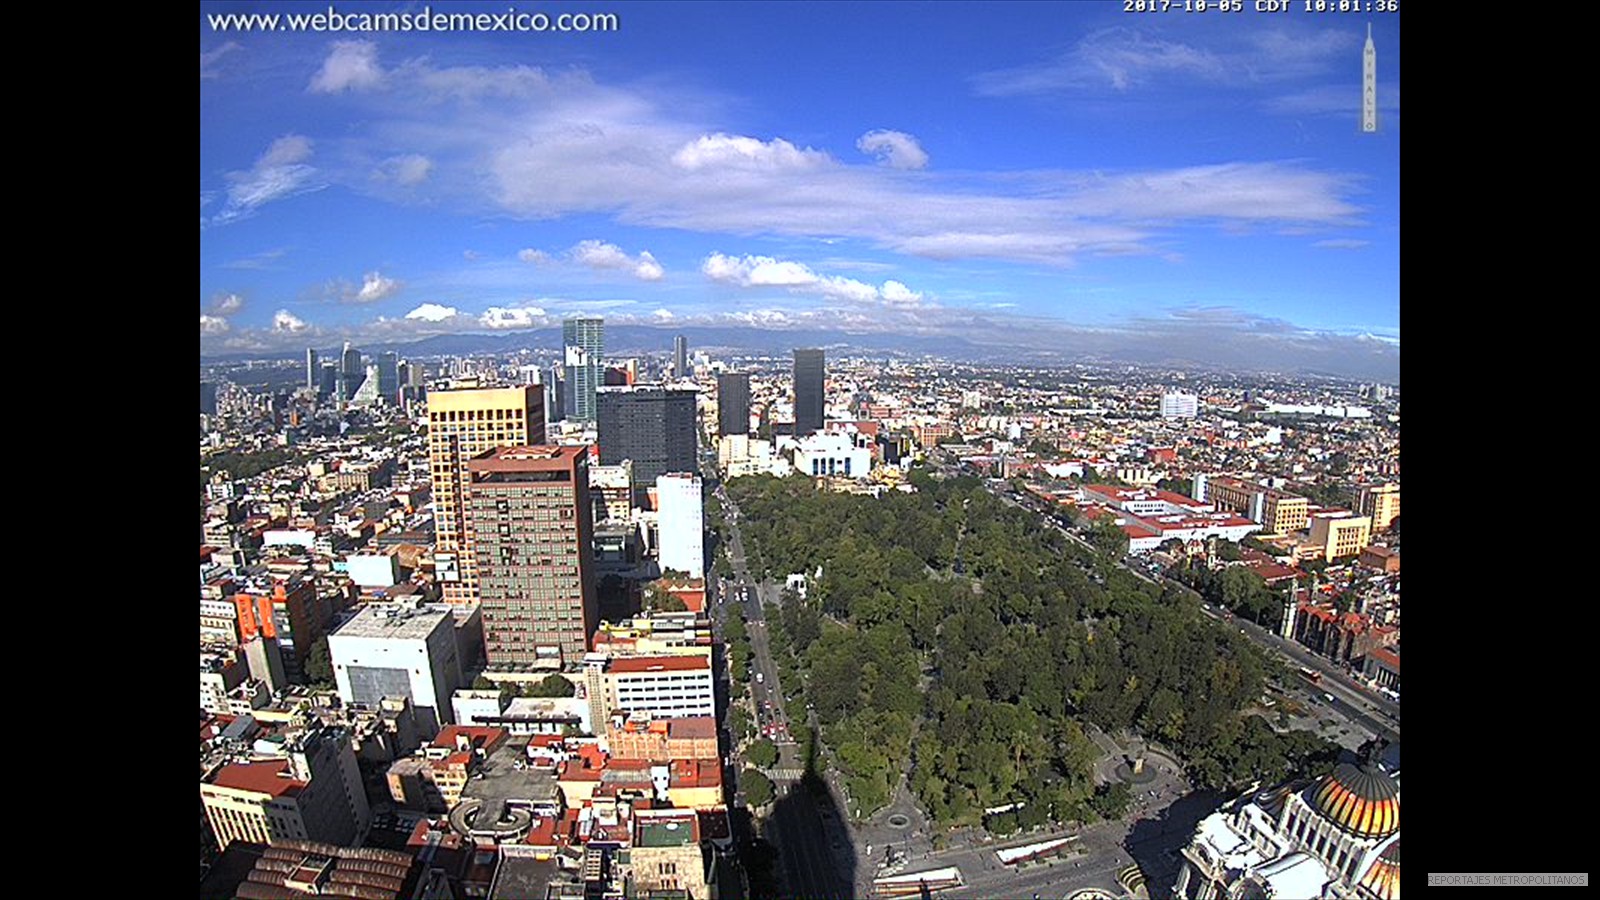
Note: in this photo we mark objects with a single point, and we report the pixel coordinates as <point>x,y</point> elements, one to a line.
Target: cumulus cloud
<point>433,312</point>
<point>278,173</point>
<point>285,322</point>
<point>894,149</point>
<point>350,66</point>
<point>408,170</point>
<point>663,314</point>
<point>531,255</point>
<point>499,317</point>
<point>765,271</point>
<point>213,324</point>
<point>375,287</point>
<point>601,255</point>
<point>735,151</point>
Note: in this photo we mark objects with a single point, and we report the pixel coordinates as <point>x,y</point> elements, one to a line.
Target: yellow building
<point>1279,512</point>
<point>1382,503</point>
<point>256,802</point>
<point>461,425</point>
<point>1340,533</point>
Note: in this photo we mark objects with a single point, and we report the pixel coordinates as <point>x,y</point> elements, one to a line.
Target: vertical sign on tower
<point>1369,85</point>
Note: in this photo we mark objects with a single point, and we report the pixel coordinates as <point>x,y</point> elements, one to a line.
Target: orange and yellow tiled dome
<point>1383,879</point>
<point>1362,800</point>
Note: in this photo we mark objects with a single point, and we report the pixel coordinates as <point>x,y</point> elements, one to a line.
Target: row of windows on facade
<point>474,415</point>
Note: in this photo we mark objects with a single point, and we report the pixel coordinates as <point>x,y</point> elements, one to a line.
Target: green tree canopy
<point>757,787</point>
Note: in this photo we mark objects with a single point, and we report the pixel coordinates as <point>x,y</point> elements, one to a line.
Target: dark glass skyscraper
<point>584,341</point>
<point>680,357</point>
<point>389,377</point>
<point>313,369</point>
<point>652,425</point>
<point>352,371</point>
<point>733,403</point>
<point>808,398</point>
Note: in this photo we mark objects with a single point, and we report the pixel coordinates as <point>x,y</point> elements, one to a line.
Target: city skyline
<point>1067,173</point>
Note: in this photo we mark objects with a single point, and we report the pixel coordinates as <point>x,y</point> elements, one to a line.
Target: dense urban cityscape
<point>565,620</point>
<point>714,451</point>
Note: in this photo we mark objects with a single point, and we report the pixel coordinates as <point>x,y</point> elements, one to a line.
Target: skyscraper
<point>463,424</point>
<point>733,403</point>
<point>208,397</point>
<point>351,370</point>
<point>680,357</point>
<point>529,507</point>
<point>808,391</point>
<point>682,528</point>
<point>652,425</point>
<point>328,382</point>
<point>313,369</point>
<point>388,377</point>
<point>583,339</point>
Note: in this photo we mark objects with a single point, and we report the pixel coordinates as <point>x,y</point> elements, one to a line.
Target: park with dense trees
<point>952,637</point>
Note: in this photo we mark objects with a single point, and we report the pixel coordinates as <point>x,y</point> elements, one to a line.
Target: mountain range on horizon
<point>1321,357</point>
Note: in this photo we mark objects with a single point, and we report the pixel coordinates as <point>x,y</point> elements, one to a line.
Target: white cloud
<point>286,151</point>
<point>470,255</point>
<point>213,324</point>
<point>352,65</point>
<point>408,170</point>
<point>278,173</point>
<point>765,271</point>
<point>531,255</point>
<point>433,312</point>
<point>208,60</point>
<point>736,151</point>
<point>285,322</point>
<point>375,287</point>
<point>601,255</point>
<point>513,317</point>
<point>663,314</point>
<point>647,268</point>
<point>897,294</point>
<point>1341,244</point>
<point>894,149</point>
<point>227,304</point>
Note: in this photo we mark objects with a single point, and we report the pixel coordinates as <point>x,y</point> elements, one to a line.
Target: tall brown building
<point>463,424</point>
<point>529,511</point>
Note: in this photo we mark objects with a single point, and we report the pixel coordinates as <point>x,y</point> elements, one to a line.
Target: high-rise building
<point>529,511</point>
<point>583,339</point>
<point>388,377</point>
<point>682,523</point>
<point>313,369</point>
<point>680,357</point>
<point>650,424</point>
<point>733,403</point>
<point>1179,406</point>
<point>809,402</point>
<point>312,793</point>
<point>208,397</point>
<point>351,372</point>
<point>328,380</point>
<point>555,402</point>
<point>1382,503</point>
<point>461,425</point>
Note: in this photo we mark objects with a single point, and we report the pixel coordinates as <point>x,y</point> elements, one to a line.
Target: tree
<point>763,753</point>
<point>1108,537</point>
<point>552,686</point>
<point>319,665</point>
<point>758,790</point>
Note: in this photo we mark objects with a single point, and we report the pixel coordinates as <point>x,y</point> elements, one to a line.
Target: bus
<point>1311,676</point>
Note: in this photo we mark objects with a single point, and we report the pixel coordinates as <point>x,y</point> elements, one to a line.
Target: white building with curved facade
<point>1335,838</point>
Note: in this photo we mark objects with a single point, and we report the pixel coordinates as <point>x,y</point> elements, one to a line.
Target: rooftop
<point>667,832</point>
<point>396,621</point>
<point>629,664</point>
<point>270,777</point>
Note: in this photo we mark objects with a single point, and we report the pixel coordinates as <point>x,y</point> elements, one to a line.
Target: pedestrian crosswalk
<point>787,774</point>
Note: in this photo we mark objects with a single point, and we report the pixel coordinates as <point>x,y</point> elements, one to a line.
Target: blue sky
<point>1046,167</point>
